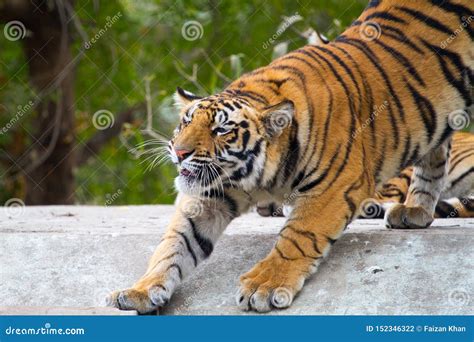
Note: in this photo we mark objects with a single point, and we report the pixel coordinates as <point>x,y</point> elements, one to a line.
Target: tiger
<point>322,126</point>
<point>456,198</point>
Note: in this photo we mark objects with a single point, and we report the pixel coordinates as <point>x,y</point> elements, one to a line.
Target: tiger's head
<point>221,141</point>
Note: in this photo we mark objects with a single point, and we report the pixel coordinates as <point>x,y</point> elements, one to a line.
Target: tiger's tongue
<point>186,172</point>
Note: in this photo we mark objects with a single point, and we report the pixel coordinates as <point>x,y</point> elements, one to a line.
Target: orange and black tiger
<point>456,198</point>
<point>322,126</point>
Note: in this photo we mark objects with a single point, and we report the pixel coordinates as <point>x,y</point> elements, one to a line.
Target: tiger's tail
<point>462,207</point>
<point>457,207</point>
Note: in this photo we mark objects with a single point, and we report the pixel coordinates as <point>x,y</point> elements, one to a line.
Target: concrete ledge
<point>58,311</point>
<point>62,258</point>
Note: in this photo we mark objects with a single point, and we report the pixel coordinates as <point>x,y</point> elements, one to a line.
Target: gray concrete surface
<point>72,257</point>
<point>60,310</point>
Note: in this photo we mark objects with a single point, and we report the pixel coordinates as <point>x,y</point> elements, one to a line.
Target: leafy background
<point>146,45</point>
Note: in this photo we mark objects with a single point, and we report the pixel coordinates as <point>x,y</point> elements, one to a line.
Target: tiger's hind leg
<point>428,179</point>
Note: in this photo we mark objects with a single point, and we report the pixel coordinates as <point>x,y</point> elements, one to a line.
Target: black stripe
<point>428,114</point>
<point>459,10</point>
<point>369,98</point>
<point>403,61</point>
<point>467,203</point>
<point>414,157</point>
<point>204,243</point>
<point>188,246</point>
<point>249,94</point>
<point>309,104</point>
<point>457,81</point>
<point>168,257</point>
<point>373,4</point>
<point>295,243</point>
<point>427,180</point>
<point>344,66</point>
<point>427,20</point>
<point>363,47</point>
<point>440,164</point>
<point>307,234</point>
<point>422,192</point>
<point>445,210</point>
<point>349,143</point>
<point>460,178</point>
<point>381,159</point>
<point>398,35</point>
<point>180,273</point>
<point>385,16</point>
<point>293,152</point>
<point>406,151</point>
<point>322,176</point>
<point>282,255</point>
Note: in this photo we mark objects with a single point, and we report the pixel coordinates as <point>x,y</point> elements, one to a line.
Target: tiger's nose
<point>182,154</point>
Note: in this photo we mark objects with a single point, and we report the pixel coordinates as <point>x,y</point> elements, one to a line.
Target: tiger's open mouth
<point>187,173</point>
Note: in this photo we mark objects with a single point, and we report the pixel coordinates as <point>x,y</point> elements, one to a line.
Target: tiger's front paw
<point>142,299</point>
<point>272,283</point>
<point>402,217</point>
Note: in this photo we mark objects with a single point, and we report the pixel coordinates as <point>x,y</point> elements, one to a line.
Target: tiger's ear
<point>183,97</point>
<point>278,117</point>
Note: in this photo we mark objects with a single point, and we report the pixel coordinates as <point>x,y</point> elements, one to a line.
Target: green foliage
<point>147,41</point>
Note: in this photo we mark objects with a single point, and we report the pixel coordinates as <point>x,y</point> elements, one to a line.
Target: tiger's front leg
<point>190,238</point>
<point>315,223</point>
